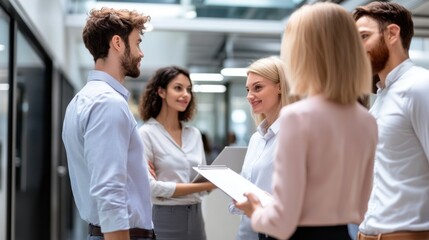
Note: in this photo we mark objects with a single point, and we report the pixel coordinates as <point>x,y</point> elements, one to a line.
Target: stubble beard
<point>130,64</point>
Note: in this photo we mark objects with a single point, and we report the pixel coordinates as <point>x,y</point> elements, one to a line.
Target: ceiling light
<point>234,72</point>
<point>191,14</point>
<point>152,9</point>
<point>209,88</point>
<point>238,116</point>
<point>2,47</point>
<point>209,77</point>
<point>4,86</point>
<point>253,3</point>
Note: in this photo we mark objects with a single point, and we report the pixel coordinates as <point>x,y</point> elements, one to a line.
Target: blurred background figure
<point>231,139</point>
<point>208,149</point>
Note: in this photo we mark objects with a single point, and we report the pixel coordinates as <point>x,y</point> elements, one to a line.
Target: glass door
<point>4,110</point>
<point>31,213</point>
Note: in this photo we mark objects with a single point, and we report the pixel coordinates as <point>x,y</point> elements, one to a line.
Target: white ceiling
<point>225,33</point>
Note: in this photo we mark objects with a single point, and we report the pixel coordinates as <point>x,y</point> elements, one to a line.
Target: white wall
<point>47,19</point>
<point>47,16</point>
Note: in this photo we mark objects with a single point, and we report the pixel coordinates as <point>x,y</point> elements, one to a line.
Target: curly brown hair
<point>104,23</point>
<point>150,102</point>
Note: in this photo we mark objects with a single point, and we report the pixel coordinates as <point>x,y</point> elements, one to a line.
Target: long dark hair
<point>150,102</point>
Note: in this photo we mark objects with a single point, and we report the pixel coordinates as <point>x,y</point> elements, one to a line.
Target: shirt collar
<point>154,121</point>
<point>396,73</point>
<point>271,131</point>
<point>96,75</point>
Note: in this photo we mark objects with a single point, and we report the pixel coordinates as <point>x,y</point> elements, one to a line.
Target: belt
<point>418,235</point>
<point>134,232</point>
<point>263,236</point>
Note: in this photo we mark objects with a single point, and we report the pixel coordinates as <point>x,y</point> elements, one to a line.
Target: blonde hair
<point>272,68</point>
<point>324,54</point>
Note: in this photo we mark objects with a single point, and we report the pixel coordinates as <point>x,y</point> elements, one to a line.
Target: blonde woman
<point>326,144</point>
<point>267,93</point>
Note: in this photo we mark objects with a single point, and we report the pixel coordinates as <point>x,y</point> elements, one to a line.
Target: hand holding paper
<point>232,183</point>
<point>250,205</point>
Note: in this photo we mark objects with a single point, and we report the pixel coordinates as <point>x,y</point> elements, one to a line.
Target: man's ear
<point>116,42</point>
<point>393,34</point>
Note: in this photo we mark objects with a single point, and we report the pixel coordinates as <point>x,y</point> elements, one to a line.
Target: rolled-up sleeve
<point>106,137</point>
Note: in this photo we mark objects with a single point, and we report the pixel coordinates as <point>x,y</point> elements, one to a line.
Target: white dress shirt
<point>400,195</point>
<point>173,164</point>
<point>258,169</point>
<point>110,183</point>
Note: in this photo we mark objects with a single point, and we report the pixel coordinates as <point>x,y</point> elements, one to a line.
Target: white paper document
<point>231,156</point>
<point>233,184</point>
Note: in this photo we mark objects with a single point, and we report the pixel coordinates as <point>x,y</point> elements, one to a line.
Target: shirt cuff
<point>162,189</point>
<point>114,220</point>
<point>233,210</point>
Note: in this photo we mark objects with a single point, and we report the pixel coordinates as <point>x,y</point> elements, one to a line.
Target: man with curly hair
<point>109,180</point>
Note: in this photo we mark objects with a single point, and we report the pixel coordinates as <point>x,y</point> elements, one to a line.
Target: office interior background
<point>43,62</point>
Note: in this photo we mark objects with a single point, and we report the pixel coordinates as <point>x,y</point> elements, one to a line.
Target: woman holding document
<point>268,92</point>
<point>172,148</point>
<point>326,144</point>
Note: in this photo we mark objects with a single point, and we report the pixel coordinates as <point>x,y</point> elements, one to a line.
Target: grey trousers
<point>178,222</point>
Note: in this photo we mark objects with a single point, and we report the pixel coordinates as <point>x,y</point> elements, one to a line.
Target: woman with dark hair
<point>172,148</point>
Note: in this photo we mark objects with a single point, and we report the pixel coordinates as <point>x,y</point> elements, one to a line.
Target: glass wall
<point>240,120</point>
<point>32,143</point>
<point>225,118</point>
<point>4,103</point>
<point>210,120</point>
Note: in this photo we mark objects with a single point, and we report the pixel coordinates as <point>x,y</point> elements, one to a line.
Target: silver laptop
<point>231,157</point>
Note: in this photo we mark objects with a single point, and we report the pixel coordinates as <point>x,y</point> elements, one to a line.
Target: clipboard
<point>232,183</point>
<point>231,157</point>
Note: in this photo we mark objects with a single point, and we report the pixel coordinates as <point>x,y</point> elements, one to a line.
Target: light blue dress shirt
<point>109,178</point>
<point>258,169</point>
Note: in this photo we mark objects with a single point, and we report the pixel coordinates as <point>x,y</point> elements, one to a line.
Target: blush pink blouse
<point>323,168</point>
